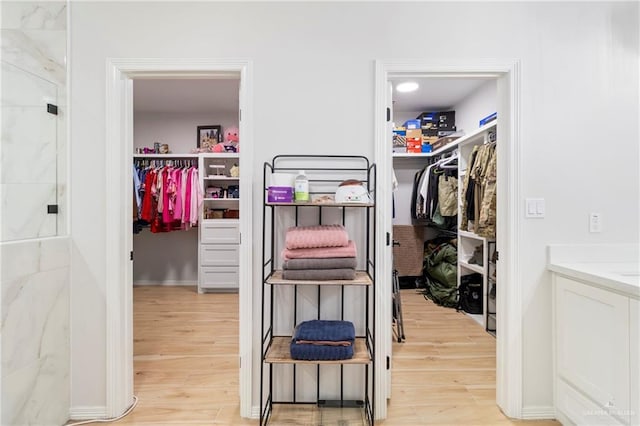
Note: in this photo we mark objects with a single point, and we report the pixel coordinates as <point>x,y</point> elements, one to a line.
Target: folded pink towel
<point>320,252</point>
<point>299,237</point>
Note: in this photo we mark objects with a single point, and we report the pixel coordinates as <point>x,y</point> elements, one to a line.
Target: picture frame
<point>208,136</point>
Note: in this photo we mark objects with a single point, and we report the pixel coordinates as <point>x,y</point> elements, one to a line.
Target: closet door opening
<point>468,87</point>
<point>444,255</point>
<point>186,247</point>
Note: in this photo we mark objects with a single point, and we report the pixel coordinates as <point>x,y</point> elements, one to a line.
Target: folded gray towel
<point>319,274</point>
<point>327,263</point>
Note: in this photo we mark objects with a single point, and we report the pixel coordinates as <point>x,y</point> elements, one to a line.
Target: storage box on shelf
<point>287,302</point>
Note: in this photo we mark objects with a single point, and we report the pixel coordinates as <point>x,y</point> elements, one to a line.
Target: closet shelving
<point>473,138</point>
<point>219,239</point>
<point>216,172</point>
<point>284,301</point>
<point>469,242</point>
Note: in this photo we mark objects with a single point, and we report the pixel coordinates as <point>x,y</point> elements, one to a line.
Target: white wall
<point>477,105</point>
<point>170,258</point>
<point>313,93</point>
<point>176,129</point>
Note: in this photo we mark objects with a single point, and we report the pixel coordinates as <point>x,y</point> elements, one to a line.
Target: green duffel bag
<point>441,275</point>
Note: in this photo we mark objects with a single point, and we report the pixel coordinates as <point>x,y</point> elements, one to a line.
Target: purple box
<point>280,194</point>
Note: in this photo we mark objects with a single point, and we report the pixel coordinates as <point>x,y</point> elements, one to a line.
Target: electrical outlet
<point>595,222</point>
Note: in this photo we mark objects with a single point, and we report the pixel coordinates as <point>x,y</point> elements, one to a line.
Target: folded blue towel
<point>325,330</point>
<point>309,352</point>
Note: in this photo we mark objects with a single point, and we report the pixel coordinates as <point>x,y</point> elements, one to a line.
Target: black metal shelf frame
<point>491,248</point>
<point>337,169</point>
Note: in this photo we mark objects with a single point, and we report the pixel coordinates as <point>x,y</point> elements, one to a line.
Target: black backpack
<point>470,294</point>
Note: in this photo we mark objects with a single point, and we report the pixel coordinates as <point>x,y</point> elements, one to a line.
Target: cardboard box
<point>414,145</point>
<point>429,139</point>
<point>446,120</point>
<point>414,133</point>
<point>443,141</point>
<point>412,124</point>
<point>488,119</point>
<point>428,120</point>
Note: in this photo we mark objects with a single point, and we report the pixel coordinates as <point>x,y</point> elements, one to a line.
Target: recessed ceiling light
<point>407,86</point>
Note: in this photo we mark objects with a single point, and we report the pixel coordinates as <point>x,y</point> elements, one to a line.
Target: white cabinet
<point>219,239</point>
<point>595,354</point>
<point>634,346</point>
<point>219,254</point>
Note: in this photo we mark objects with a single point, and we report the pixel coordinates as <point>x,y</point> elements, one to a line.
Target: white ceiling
<point>190,96</point>
<point>434,93</point>
<point>221,94</point>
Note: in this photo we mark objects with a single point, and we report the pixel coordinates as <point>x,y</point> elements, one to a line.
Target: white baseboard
<point>255,412</point>
<point>538,412</point>
<point>87,413</point>
<point>166,283</point>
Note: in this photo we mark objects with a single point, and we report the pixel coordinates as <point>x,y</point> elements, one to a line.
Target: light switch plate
<point>595,222</point>
<point>535,207</point>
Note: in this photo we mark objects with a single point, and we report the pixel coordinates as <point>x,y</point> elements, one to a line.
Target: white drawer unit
<point>219,277</point>
<point>219,254</point>
<point>223,231</point>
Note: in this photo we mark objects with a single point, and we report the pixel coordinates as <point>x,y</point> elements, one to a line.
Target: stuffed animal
<point>232,140</point>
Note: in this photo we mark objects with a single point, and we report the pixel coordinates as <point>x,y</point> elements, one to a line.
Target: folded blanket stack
<point>323,340</point>
<point>318,253</point>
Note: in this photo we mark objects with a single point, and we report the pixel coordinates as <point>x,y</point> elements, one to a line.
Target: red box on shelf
<point>414,145</point>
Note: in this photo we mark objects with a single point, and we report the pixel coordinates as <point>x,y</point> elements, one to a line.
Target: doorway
<point>509,368</point>
<point>119,272</point>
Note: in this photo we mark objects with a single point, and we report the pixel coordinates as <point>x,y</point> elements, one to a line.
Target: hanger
<point>445,163</point>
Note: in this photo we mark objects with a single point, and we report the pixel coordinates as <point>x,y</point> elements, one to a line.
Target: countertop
<point>621,277</point>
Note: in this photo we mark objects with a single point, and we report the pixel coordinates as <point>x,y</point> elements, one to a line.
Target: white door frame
<point>509,322</point>
<point>119,242</point>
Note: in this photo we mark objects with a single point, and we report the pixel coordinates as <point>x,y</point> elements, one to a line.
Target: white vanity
<point>596,297</point>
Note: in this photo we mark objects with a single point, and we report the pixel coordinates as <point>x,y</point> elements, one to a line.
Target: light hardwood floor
<point>186,366</point>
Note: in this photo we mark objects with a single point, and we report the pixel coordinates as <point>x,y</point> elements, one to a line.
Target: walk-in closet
<point>186,243</point>
<point>186,222</point>
<point>444,207</point>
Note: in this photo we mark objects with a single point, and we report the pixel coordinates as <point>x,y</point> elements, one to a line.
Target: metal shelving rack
<point>325,173</point>
<point>491,319</point>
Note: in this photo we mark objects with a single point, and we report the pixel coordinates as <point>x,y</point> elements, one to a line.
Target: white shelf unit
<point>276,338</point>
<point>469,241</point>
<point>219,234</point>
<point>467,244</point>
